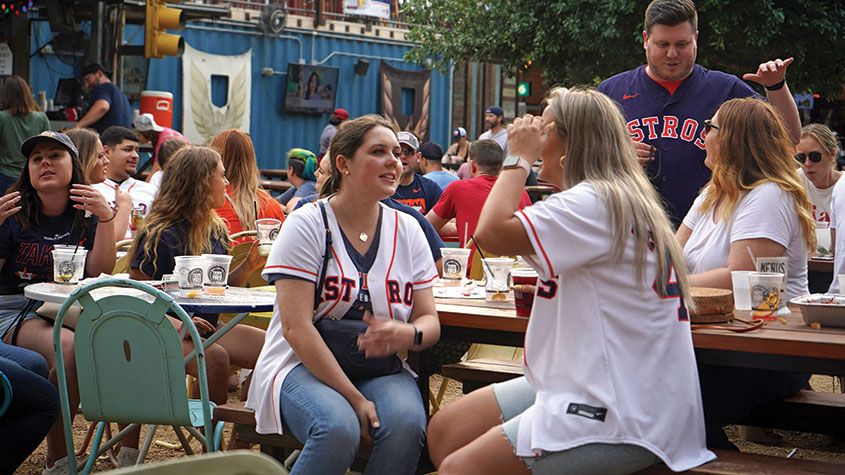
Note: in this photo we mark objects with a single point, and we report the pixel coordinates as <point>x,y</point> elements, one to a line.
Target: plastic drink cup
<point>741,289</point>
<point>497,277</point>
<point>454,264</point>
<point>765,293</point>
<point>267,230</point>
<point>823,243</point>
<point>169,282</point>
<point>68,266</point>
<point>216,276</point>
<point>189,271</point>
<point>775,264</point>
<point>524,286</point>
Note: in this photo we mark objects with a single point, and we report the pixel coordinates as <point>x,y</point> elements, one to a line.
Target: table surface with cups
<point>234,300</point>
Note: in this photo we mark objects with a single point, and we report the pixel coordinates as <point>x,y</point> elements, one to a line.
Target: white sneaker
<point>61,467</point>
<point>127,457</point>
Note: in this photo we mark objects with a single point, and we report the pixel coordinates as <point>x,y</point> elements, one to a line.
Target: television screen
<point>68,93</point>
<point>311,89</point>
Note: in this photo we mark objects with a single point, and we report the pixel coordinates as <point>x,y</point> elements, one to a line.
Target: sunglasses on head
<point>814,157</point>
<point>708,126</point>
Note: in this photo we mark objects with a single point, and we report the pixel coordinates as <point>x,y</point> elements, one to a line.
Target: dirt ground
<point>809,446</point>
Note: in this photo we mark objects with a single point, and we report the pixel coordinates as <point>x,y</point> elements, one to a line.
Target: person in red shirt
<point>464,199</point>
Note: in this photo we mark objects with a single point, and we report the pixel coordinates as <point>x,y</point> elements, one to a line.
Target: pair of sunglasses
<point>708,126</point>
<point>814,157</point>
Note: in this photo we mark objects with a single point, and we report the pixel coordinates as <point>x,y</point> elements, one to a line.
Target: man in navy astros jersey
<point>667,100</point>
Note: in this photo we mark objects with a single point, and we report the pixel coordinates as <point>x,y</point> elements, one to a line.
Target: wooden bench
<point>276,185</point>
<point>730,462</point>
<point>278,174</point>
<point>807,411</point>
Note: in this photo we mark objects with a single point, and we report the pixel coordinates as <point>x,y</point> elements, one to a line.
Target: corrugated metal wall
<point>273,131</point>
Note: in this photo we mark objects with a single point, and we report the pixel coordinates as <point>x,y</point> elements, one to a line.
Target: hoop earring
<point>562,159</point>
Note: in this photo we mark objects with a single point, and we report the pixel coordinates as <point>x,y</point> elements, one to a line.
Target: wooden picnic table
<point>786,345</point>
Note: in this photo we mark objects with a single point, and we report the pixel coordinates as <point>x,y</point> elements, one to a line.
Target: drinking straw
<point>466,234</point>
<point>255,207</point>
<point>753,259</point>
<point>485,264</point>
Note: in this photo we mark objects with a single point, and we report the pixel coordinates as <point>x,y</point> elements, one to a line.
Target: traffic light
<point>157,42</point>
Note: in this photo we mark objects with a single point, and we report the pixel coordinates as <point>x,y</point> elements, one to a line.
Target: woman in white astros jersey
<point>610,382</point>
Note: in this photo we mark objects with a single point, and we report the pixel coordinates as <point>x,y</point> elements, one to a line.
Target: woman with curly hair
<point>245,200</point>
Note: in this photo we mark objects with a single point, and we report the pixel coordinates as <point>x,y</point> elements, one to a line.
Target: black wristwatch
<point>417,336</point>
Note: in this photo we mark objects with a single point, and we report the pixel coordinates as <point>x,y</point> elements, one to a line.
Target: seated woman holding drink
<point>754,205</point>
<point>608,323</point>
<point>49,205</point>
<point>348,260</point>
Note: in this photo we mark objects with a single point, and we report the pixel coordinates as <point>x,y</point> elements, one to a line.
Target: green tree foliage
<point>585,41</point>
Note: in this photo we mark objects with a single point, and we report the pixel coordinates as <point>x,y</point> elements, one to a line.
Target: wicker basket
<point>711,305</point>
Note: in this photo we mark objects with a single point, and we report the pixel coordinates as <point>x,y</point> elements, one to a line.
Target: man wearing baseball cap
<point>494,118</point>
<point>150,132</point>
<point>109,105</point>
<point>414,190</point>
<point>431,165</point>
<point>460,145</point>
<point>338,116</point>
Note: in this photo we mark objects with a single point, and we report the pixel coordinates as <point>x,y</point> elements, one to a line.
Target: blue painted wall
<point>273,131</point>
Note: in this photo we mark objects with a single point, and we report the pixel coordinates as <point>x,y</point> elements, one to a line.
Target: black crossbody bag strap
<point>327,253</point>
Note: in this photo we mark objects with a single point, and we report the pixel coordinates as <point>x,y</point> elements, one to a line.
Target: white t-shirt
<point>403,264</point>
<point>818,196</point>
<point>765,212</point>
<point>837,215</point>
<point>599,343</point>
<point>141,192</point>
<point>501,138</point>
<point>155,180</point>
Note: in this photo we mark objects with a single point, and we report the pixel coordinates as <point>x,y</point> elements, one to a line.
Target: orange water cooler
<point>160,105</point>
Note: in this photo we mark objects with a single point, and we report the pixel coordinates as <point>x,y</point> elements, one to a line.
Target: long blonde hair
<point>86,142</point>
<point>599,151</point>
<point>238,153</point>
<point>754,148</point>
<point>184,197</point>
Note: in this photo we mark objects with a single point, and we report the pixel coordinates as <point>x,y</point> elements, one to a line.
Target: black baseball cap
<point>431,151</point>
<point>92,68</point>
<point>49,136</point>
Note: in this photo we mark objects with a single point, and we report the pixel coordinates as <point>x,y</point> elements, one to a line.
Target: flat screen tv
<point>311,89</point>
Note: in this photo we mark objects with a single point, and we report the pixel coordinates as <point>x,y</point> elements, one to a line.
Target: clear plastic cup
<point>823,242</point>
<point>189,271</point>
<point>216,276</point>
<point>169,283</point>
<point>741,289</point>
<point>766,289</point>
<point>454,264</point>
<point>267,230</point>
<point>68,265</point>
<point>497,277</point>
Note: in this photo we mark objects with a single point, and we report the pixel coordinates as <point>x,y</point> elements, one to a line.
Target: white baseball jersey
<point>765,212</point>
<point>837,215</point>
<point>142,194</point>
<point>610,361</point>
<point>403,264</point>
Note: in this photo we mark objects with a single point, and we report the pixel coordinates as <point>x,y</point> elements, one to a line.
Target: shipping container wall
<point>273,131</point>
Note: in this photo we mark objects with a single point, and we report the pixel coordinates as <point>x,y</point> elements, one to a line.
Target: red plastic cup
<point>524,286</point>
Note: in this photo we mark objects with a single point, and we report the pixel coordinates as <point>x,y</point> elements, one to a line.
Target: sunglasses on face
<point>814,157</point>
<point>407,152</point>
<point>708,126</point>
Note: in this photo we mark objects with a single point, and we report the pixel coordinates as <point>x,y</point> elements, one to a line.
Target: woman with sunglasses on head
<point>754,205</point>
<point>49,205</point>
<point>610,383</point>
<point>374,273</point>
<point>816,153</point>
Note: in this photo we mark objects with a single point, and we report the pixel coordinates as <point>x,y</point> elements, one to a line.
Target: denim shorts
<point>516,395</point>
<point>11,307</point>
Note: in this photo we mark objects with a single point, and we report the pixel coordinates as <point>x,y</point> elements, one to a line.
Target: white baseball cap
<point>409,139</point>
<point>145,123</point>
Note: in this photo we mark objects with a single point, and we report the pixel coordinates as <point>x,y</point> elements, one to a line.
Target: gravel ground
<point>809,446</point>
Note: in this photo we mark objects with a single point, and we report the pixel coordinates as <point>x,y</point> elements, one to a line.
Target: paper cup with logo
<point>524,287</point>
<point>189,270</point>
<point>68,264</point>
<point>775,264</point>
<point>454,264</point>
<point>766,289</point>
<point>216,277</point>
<point>267,229</point>
<point>497,277</point>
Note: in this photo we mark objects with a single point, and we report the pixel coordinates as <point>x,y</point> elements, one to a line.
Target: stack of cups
<point>68,264</point>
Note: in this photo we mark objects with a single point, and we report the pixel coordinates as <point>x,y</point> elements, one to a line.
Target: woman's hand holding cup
<point>86,198</point>
<point>526,138</point>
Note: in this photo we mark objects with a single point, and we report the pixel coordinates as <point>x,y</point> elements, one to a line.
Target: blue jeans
<point>324,421</point>
<point>35,404</point>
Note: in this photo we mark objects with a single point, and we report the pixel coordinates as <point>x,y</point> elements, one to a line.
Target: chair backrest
<point>129,361</point>
<point>5,393</point>
<point>239,253</point>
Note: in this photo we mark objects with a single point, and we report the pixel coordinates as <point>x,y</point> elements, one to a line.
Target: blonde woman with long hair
<point>816,154</point>
<point>244,196</point>
<point>754,205</point>
<point>94,163</point>
<point>181,222</point>
<point>608,322</point>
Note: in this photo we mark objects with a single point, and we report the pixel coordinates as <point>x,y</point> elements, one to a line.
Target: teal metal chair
<point>5,393</point>
<point>130,368</point>
<point>240,462</point>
